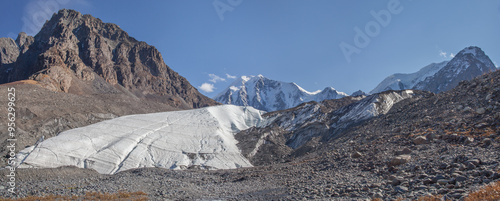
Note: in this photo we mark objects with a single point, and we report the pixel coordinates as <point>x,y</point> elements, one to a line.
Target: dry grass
<point>465,131</point>
<point>121,196</point>
<point>487,193</point>
<point>33,82</point>
<point>471,132</point>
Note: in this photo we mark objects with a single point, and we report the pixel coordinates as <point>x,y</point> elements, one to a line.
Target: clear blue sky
<point>288,40</point>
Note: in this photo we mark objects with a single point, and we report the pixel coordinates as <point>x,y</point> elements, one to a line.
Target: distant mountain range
<point>270,95</point>
<point>437,77</point>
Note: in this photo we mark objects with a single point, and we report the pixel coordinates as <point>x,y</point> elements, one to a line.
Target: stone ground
<point>437,167</point>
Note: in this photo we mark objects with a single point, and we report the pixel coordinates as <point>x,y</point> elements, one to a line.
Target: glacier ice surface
<point>174,140</point>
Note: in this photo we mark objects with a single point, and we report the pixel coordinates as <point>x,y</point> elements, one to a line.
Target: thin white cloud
<point>207,87</point>
<point>496,65</point>
<point>442,54</point>
<point>230,76</point>
<point>214,78</point>
<point>452,55</point>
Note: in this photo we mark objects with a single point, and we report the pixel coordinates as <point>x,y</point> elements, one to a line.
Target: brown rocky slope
<point>80,54</point>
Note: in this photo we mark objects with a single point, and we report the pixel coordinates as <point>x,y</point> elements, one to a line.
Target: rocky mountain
<point>438,77</point>
<point>80,54</point>
<point>9,51</point>
<point>401,81</point>
<point>359,93</point>
<point>466,65</point>
<point>271,95</point>
<point>291,133</point>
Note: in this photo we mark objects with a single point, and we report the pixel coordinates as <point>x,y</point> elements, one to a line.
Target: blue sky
<point>289,40</point>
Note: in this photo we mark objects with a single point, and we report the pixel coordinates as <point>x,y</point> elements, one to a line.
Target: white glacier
<point>174,140</point>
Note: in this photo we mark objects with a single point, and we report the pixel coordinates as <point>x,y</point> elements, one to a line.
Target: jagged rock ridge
<point>80,54</point>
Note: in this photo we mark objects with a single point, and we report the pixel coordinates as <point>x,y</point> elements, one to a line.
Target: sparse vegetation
<point>487,193</point>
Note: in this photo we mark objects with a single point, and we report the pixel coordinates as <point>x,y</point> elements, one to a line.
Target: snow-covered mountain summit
<point>466,65</point>
<point>271,95</point>
<point>437,77</point>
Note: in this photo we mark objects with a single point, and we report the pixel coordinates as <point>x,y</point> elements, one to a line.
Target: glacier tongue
<point>174,140</point>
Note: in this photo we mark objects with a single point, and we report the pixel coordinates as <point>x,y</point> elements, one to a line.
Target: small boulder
<point>399,160</point>
<point>470,165</point>
<point>481,110</point>
<point>495,175</point>
<point>486,142</point>
<point>397,180</point>
<point>420,140</point>
<point>487,173</point>
<point>437,178</point>
<point>443,181</point>
<point>468,140</point>
<point>404,151</point>
<point>474,161</point>
<point>443,166</point>
<point>428,181</point>
<point>460,178</point>
<point>356,155</point>
<point>401,189</point>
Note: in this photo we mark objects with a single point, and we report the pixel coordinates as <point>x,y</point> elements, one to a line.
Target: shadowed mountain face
<point>402,81</point>
<point>80,54</point>
<point>438,77</point>
<point>466,65</point>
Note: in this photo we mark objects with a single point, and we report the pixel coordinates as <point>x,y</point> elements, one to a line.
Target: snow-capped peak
<point>305,91</point>
<point>471,50</point>
<point>271,95</point>
<point>467,64</point>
